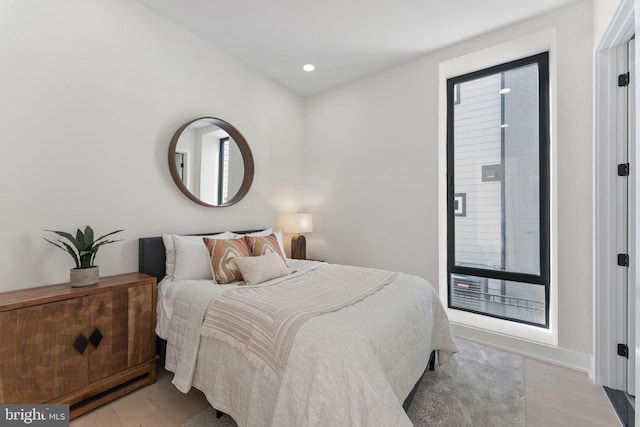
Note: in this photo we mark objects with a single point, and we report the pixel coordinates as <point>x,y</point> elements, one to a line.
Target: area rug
<point>479,386</point>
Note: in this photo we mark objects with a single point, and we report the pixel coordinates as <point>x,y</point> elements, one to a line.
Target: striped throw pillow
<point>222,252</point>
<point>263,245</point>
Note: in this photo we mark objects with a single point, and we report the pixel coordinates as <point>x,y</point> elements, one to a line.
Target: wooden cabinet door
<point>107,317</point>
<point>37,358</point>
<point>141,333</point>
<point>124,318</point>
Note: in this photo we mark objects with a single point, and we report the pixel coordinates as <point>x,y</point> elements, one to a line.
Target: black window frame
<point>544,278</point>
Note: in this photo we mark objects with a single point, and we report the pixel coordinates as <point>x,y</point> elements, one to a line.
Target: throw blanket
<point>189,308</point>
<point>263,321</point>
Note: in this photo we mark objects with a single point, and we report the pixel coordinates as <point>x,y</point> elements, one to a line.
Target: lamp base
<point>298,247</point>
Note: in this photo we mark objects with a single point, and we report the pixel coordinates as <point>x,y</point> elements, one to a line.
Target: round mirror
<point>210,162</point>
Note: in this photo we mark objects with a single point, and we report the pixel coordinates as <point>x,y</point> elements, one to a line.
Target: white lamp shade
<point>298,223</point>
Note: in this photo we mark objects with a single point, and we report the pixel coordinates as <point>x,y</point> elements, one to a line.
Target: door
<point>631,133</point>
<point>625,212</point>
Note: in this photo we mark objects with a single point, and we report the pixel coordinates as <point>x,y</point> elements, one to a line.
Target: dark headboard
<point>151,255</point>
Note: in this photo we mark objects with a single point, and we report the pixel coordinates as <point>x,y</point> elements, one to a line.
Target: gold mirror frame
<point>243,146</point>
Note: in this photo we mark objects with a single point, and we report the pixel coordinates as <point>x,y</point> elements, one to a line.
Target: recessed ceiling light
<point>505,90</point>
<point>308,67</point>
<point>504,126</point>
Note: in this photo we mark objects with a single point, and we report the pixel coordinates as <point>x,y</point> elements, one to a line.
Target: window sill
<point>507,328</point>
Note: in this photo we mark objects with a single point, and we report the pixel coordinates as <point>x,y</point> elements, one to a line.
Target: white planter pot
<point>84,276</point>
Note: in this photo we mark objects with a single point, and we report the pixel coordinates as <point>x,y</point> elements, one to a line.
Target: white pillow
<point>264,232</point>
<point>170,254</point>
<point>258,269</point>
<point>191,256</point>
<point>278,234</point>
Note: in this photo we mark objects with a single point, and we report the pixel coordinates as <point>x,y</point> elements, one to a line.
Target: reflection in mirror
<point>211,162</point>
<point>217,168</point>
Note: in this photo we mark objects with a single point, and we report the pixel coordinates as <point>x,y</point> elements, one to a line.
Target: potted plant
<point>83,249</point>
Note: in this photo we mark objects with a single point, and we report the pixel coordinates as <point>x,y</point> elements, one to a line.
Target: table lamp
<point>296,224</point>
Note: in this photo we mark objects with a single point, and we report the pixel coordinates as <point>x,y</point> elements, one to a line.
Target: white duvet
<point>352,367</point>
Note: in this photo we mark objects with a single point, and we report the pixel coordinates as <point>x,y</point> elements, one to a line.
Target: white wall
<point>603,11</point>
<point>372,162</point>
<point>91,93</point>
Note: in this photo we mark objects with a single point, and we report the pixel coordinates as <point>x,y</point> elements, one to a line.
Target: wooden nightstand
<point>80,346</point>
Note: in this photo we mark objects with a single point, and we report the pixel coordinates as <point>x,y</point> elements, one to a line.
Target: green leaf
<point>69,237</point>
<point>80,239</point>
<point>95,248</point>
<point>86,260</point>
<point>107,235</point>
<point>88,237</point>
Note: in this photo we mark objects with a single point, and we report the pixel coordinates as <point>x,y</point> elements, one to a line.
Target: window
<point>498,192</point>
<point>223,171</point>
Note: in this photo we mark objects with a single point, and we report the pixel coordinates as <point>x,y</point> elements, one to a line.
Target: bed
<point>356,362</point>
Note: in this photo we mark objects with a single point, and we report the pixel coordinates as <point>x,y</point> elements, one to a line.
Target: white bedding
<point>352,367</point>
<point>171,290</point>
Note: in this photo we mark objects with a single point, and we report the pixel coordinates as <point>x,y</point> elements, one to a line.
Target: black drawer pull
<point>81,343</point>
<point>95,338</point>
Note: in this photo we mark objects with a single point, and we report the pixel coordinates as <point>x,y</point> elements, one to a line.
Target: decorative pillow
<point>263,245</point>
<point>258,269</point>
<point>191,256</point>
<point>265,232</point>
<point>221,255</point>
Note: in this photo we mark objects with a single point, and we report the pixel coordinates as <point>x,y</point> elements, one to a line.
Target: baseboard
<point>546,353</point>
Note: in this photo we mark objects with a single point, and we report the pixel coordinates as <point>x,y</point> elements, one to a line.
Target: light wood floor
<point>555,396</point>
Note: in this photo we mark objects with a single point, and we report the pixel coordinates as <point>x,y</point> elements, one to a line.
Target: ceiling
<point>344,39</point>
